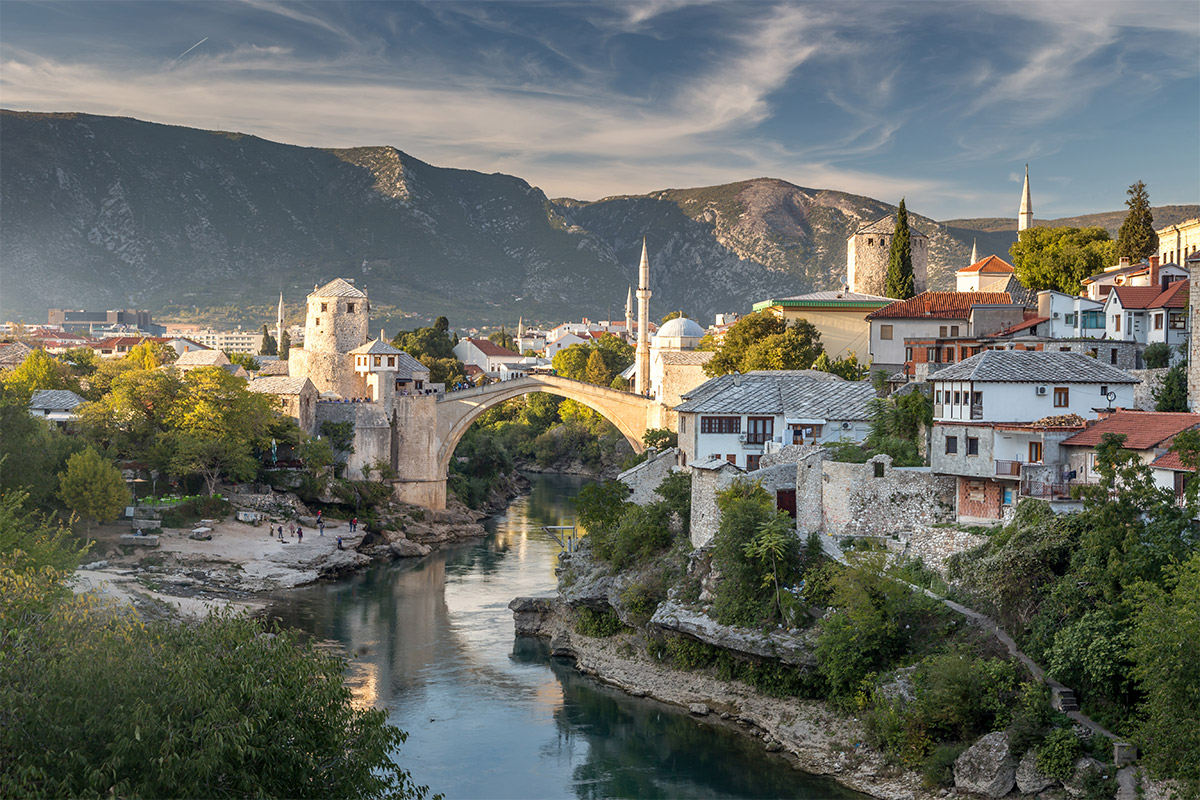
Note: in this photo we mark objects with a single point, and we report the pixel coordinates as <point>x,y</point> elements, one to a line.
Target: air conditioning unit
<point>1056,315</point>
<point>1041,391</point>
<point>847,426</point>
<point>742,438</point>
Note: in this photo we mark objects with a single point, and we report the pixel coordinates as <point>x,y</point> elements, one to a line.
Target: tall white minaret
<point>642,376</point>
<point>279,320</point>
<point>1025,218</point>
<point>629,315</point>
<point>974,254</point>
<point>520,328</point>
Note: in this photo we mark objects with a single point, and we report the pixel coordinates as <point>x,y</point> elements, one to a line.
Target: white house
<point>55,405</point>
<point>485,355</point>
<point>738,418</point>
<point>932,315</point>
<point>996,412</point>
<point>1148,314</point>
<point>1070,316</point>
<point>564,341</point>
<point>1124,273</point>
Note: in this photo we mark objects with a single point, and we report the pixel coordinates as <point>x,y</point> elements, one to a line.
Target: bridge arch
<point>629,413</point>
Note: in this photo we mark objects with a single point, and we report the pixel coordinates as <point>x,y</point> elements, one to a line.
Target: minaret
<point>1025,218</point>
<point>642,376</point>
<point>520,328</point>
<point>974,254</point>
<point>629,316</point>
<point>279,320</point>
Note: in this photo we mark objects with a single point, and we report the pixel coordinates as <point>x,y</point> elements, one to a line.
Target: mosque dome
<point>681,328</point>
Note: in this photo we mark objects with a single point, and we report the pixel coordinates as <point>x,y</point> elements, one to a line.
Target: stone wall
<point>372,433</point>
<point>934,545</point>
<point>857,500</point>
<point>706,517</point>
<point>646,476</point>
<point>1151,382</point>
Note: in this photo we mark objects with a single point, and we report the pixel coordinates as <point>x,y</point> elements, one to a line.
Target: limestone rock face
<point>987,767</point>
<point>531,613</point>
<point>406,548</point>
<point>1074,787</point>
<point>1029,779</point>
<point>797,649</point>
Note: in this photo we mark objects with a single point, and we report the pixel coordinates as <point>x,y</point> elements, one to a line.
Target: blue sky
<point>941,102</point>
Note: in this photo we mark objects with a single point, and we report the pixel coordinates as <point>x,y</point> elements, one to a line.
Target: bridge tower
<point>335,323</point>
<point>641,382</point>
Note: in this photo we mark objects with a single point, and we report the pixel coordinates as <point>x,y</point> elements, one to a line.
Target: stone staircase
<point>1064,699</point>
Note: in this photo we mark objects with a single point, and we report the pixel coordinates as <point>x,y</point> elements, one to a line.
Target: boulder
<point>203,534</point>
<point>1029,779</point>
<point>134,540</point>
<point>987,767</point>
<point>531,613</point>
<point>797,649</point>
<point>1074,786</point>
<point>699,709</point>
<point>406,548</point>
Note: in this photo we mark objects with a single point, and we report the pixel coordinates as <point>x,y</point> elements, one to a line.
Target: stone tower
<point>1025,217</point>
<point>641,383</point>
<point>867,257</point>
<point>335,324</point>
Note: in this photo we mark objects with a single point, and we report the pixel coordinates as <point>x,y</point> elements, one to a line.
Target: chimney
<point>1154,281</point>
<point>1124,261</point>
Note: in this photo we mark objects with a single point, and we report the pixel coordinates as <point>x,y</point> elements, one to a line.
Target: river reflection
<point>490,715</point>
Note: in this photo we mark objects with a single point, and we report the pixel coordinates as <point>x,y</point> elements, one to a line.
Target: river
<point>490,714</point>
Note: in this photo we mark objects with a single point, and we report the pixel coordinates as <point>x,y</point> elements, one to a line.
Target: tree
<point>149,355</point>
<point>40,370</point>
<point>774,547</point>
<point>210,457</point>
<point>763,341</point>
<point>444,370</point>
<point>214,402</point>
<point>1157,355</point>
<point>900,280</point>
<point>674,315</point>
<point>225,707</point>
<point>82,359</point>
<point>844,366</point>
<point>502,338</point>
<point>1136,239</point>
<point>597,371</point>
<point>425,342</point>
<point>269,346</point>
<point>285,345</point>
<point>441,325</point>
<point>1060,258</point>
<point>92,487</point>
<point>660,438</point>
<point>243,360</point>
<point>1172,395</point>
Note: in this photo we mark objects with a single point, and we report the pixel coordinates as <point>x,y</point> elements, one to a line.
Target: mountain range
<point>106,212</point>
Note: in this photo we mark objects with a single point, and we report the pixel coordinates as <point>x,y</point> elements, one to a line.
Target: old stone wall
<point>372,433</point>
<point>935,545</point>
<point>1151,382</point>
<point>706,517</point>
<point>422,479</point>
<point>877,499</point>
<point>643,479</point>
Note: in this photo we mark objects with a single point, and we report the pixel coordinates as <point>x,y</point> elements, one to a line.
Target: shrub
<point>1157,355</point>
<point>1057,753</point>
<point>746,594</point>
<point>939,767</point>
<point>597,624</point>
<point>196,509</point>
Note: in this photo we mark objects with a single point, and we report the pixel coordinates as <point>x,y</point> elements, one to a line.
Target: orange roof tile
<point>1171,460</point>
<point>1174,296</point>
<point>1142,429</point>
<point>940,305</point>
<point>990,265</point>
<point>491,348</point>
<point>1136,296</point>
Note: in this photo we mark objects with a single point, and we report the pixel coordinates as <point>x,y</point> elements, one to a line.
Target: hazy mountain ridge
<point>108,212</point>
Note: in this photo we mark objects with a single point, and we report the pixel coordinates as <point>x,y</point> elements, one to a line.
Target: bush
<point>1157,355</point>
<point>597,624</point>
<point>746,594</point>
<point>939,767</point>
<point>1057,753</point>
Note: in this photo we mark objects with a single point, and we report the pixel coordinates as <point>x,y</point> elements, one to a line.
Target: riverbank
<point>819,740</point>
<point>235,563</point>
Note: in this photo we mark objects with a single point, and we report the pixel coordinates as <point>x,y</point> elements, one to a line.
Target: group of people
<point>298,532</point>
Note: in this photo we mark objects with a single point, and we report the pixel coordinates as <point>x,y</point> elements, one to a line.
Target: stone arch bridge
<point>430,429</point>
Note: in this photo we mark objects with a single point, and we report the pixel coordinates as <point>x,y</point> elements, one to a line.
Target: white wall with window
<point>981,401</point>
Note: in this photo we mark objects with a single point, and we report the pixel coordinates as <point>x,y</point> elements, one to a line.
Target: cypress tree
<point>900,283</point>
<point>285,344</point>
<point>1136,239</point>
<point>268,345</point>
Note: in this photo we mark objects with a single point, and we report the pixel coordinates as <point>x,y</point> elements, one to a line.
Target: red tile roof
<point>1136,296</point>
<point>991,265</point>
<point>940,305</point>
<point>1029,322</point>
<point>1175,296</point>
<point>1171,460</point>
<point>1142,429</point>
<point>492,349</point>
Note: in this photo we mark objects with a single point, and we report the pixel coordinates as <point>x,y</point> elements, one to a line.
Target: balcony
<point>977,411</point>
<point>1009,468</point>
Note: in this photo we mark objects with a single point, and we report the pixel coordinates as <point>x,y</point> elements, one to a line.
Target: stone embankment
<point>817,739</point>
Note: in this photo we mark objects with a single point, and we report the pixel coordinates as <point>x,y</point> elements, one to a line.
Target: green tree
<point>1136,239</point>
<point>211,401</point>
<point>40,370</point>
<point>763,341</point>
<point>224,707</point>
<point>441,325</point>
<point>425,342</point>
<point>597,371</point>
<point>268,346</point>
<point>149,355</point>
<point>244,360</point>
<point>660,438</point>
<point>503,338</point>
<point>900,280</point>
<point>285,345</point>
<point>210,457</point>
<point>620,383</point>
<point>846,366</point>
<point>743,597</point>
<point>673,315</point>
<point>83,360</point>
<point>444,370</point>
<point>92,487</point>
<point>1172,395</point>
<point>1060,258</point>
<point>31,451</point>
<point>775,548</point>
<point>1157,355</point>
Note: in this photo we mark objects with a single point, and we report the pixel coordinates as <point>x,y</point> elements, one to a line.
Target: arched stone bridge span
<point>427,440</point>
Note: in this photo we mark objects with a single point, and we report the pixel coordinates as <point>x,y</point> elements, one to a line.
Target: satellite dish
<point>1111,396</point>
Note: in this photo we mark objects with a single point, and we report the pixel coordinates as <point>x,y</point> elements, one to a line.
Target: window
<point>1064,349</point>
<point>1103,390</point>
<point>937,397</point>
<point>350,307</point>
<point>682,424</point>
<point>1069,319</point>
<point>1158,322</point>
<point>1117,322</point>
<point>323,308</point>
<point>954,330</point>
<point>878,469</point>
<point>720,424</point>
<point>1035,452</point>
<point>378,361</point>
<point>1112,356</point>
<point>1062,397</point>
<point>732,458</point>
<point>1178,321</point>
<point>931,355</point>
<point>942,332</point>
<point>318,321</point>
<point>391,361</point>
<point>972,445</point>
<point>949,357</point>
<point>1007,498</point>
<point>885,332</point>
<point>752,462</point>
<point>759,429</point>
<point>958,398</point>
<point>977,399</point>
<point>951,445</point>
<point>870,240</point>
<point>908,354</point>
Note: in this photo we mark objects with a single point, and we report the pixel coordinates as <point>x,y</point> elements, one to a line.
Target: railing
<point>1012,468</point>
<point>757,438</point>
<point>1046,490</point>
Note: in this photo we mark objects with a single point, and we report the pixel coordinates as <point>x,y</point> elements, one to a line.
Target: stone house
<point>194,359</point>
<point>486,355</point>
<point>54,405</point>
<point>979,276</point>
<point>297,398</point>
<point>936,315</point>
<point>739,418</point>
<point>867,252</point>
<point>998,413</point>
